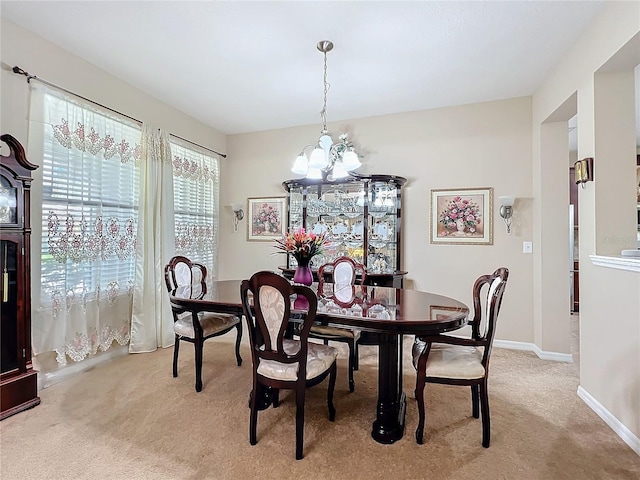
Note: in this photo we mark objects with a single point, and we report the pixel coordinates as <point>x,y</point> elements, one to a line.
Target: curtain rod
<point>30,77</point>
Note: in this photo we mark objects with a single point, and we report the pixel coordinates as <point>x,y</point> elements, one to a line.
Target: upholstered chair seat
<point>450,361</point>
<point>328,330</point>
<point>211,324</point>
<point>319,359</point>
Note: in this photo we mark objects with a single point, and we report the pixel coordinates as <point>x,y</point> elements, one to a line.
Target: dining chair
<point>343,272</point>
<point>463,361</point>
<point>192,326</point>
<point>279,362</point>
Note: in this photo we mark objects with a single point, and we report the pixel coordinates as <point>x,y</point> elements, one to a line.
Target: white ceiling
<point>243,66</point>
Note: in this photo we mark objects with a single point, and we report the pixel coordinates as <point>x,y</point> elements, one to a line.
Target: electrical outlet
<point>527,247</point>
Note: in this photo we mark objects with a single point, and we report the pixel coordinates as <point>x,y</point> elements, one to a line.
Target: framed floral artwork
<point>267,218</point>
<point>462,216</point>
<point>441,312</point>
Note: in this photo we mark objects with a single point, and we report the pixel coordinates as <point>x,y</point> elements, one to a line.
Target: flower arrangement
<point>266,219</point>
<point>302,245</point>
<point>462,212</point>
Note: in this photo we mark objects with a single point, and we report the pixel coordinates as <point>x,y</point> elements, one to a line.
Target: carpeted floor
<point>130,419</point>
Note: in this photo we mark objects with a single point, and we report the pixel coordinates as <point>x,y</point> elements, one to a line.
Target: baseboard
<point>623,432</point>
<point>51,378</point>
<point>532,347</point>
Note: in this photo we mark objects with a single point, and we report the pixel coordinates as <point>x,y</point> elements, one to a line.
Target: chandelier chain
<point>323,112</point>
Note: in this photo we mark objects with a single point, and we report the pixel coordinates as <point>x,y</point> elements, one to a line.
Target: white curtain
<point>85,218</point>
<point>151,319</point>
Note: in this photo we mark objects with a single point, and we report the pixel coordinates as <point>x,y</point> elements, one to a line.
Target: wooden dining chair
<point>463,361</point>
<point>193,326</point>
<point>279,362</point>
<point>343,272</point>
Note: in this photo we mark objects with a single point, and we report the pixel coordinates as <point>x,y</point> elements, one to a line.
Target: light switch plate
<point>527,247</point>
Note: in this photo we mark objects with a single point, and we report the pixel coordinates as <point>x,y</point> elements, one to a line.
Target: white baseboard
<point>532,347</point>
<point>47,379</point>
<point>623,432</point>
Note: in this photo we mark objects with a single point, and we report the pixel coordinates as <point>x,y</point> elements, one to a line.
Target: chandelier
<point>325,158</point>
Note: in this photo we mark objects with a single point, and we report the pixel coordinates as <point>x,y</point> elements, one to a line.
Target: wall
<point>610,299</point>
<point>479,145</point>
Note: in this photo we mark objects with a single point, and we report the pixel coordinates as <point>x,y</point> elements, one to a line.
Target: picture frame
<point>441,312</point>
<point>266,219</point>
<point>448,226</point>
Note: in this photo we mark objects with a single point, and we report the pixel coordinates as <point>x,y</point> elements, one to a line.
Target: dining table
<point>387,313</point>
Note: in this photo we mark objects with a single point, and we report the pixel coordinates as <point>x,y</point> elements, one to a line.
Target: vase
<point>460,225</point>
<point>303,274</point>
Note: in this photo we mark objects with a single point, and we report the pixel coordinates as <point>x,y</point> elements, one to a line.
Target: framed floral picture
<point>462,216</point>
<point>441,312</point>
<point>267,218</point>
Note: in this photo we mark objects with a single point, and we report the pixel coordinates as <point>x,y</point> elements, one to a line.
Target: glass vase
<point>303,274</point>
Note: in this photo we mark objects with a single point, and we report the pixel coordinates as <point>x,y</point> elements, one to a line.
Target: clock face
<point>7,204</point>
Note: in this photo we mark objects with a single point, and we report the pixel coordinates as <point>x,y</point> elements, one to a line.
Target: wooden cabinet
<point>361,216</point>
<point>18,380</point>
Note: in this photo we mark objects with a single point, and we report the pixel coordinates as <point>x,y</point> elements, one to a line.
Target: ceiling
<point>243,66</point>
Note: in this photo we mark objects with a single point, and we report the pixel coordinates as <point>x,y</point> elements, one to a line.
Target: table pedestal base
<point>389,424</point>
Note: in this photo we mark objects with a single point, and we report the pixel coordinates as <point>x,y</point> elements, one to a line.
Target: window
<point>89,205</point>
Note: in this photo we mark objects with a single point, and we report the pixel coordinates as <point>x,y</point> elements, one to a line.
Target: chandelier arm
<point>307,146</point>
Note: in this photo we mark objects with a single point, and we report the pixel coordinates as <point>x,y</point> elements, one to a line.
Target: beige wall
<point>609,299</point>
<point>479,145</point>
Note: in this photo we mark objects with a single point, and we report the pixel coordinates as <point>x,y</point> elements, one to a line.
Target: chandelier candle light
<point>326,158</point>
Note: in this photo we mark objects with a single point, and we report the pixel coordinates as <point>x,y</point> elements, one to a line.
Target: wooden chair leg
<point>198,344</point>
<point>332,384</point>
<point>486,418</point>
<point>352,353</point>
<point>253,418</point>
<point>419,393</point>
<point>475,403</point>
<point>176,348</point>
<point>356,363</point>
<point>300,394</point>
<point>275,397</point>
<point>238,340</point>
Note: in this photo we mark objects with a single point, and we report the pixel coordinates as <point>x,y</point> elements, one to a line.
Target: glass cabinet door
<point>384,227</point>
<point>360,217</point>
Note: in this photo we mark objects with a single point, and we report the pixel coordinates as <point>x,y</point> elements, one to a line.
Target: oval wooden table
<point>389,313</point>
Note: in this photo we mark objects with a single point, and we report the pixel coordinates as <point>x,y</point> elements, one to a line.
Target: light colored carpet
<point>130,419</point>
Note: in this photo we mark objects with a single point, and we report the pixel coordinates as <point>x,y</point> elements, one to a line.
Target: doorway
<point>574,237</point>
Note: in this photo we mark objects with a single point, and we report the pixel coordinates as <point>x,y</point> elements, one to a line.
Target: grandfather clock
<point>18,380</point>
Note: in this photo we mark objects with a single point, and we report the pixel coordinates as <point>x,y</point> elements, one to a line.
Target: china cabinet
<point>361,217</point>
<point>18,380</point>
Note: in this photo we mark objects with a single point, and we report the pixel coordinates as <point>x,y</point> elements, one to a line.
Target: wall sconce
<point>238,214</point>
<point>506,210</point>
<point>583,170</point>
